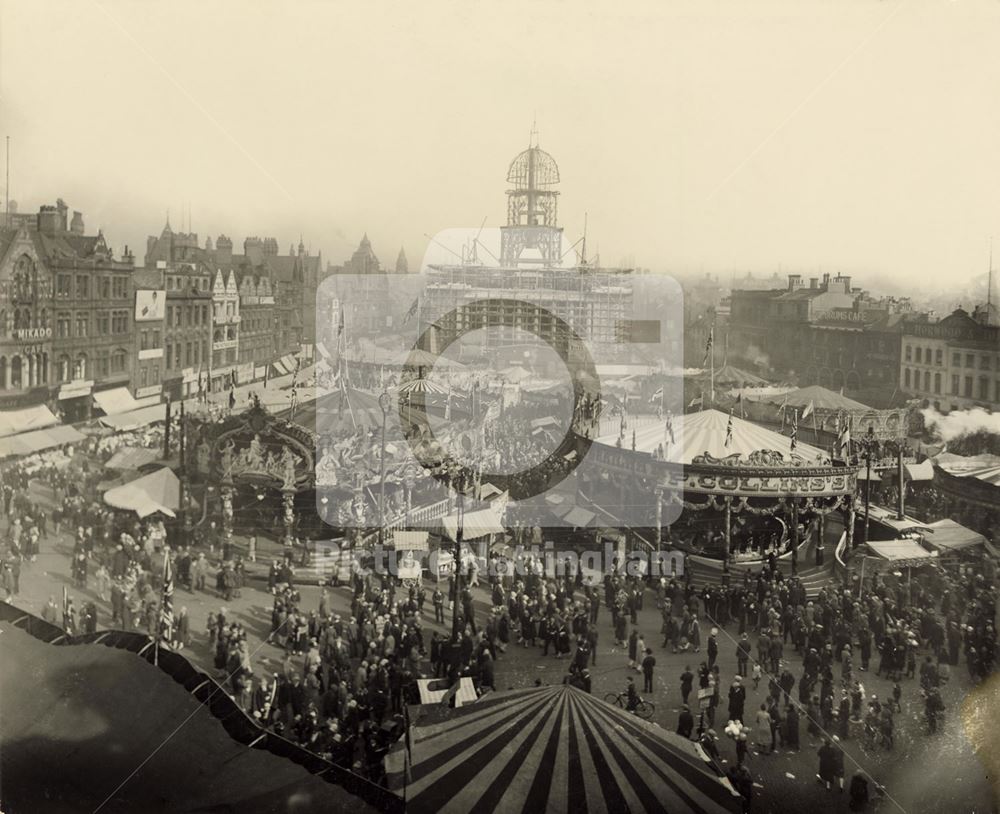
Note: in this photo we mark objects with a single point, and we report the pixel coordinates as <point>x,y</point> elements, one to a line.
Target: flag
<point>267,373</point>
<point>411,311</point>
<point>232,378</point>
<point>708,346</point>
<point>808,410</point>
<point>739,401</point>
<point>783,405</point>
<point>700,401</point>
<point>795,429</point>
<point>657,395</point>
<point>166,633</point>
<point>729,430</point>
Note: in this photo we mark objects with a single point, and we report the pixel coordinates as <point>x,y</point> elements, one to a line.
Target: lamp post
<point>868,445</point>
<point>384,402</point>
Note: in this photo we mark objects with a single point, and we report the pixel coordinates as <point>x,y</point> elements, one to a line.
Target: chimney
<point>63,210</point>
<point>794,281</point>
<point>76,227</point>
<point>847,284</point>
<point>48,220</point>
<point>826,280</point>
<point>223,250</point>
<point>814,283</point>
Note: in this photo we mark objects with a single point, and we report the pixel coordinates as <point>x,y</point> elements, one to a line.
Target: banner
<point>150,306</point>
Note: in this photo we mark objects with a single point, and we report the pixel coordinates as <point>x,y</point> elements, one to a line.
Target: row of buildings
<point>832,333</point>
<point>77,321</point>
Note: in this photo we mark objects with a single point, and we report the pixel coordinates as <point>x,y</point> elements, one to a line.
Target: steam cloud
<point>961,422</point>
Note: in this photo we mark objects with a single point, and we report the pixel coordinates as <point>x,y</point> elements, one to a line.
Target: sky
<point>808,135</point>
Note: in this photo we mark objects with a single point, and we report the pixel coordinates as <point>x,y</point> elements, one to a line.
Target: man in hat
<point>737,699</point>
<point>712,648</point>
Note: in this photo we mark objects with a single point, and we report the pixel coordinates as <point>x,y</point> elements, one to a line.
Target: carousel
<point>744,491</point>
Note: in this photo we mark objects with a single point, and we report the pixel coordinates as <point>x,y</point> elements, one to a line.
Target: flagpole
<point>711,360</point>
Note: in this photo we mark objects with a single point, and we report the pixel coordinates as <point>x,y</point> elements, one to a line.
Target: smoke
<point>961,422</point>
<point>758,357</point>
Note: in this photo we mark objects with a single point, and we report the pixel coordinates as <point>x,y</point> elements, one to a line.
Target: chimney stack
<point>794,281</point>
<point>814,283</point>
<point>76,226</point>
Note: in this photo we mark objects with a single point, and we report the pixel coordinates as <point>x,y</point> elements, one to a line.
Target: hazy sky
<point>861,135</point>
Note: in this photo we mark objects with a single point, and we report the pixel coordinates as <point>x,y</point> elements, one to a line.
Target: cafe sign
<point>32,334</point>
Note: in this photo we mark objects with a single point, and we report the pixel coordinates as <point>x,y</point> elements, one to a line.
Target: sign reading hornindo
<point>32,334</point>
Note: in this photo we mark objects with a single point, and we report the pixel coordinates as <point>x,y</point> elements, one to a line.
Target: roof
<point>475,524</point>
<point>96,711</point>
<point>820,397</point>
<point>128,458</point>
<point>951,536</point>
<point>158,491</point>
<point>39,440</point>
<point>705,431</point>
<point>901,552</point>
<point>983,467</point>
<point>552,748</point>
<point>735,376</point>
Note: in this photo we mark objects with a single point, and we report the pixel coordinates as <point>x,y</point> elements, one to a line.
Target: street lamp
<point>868,445</point>
<point>385,402</point>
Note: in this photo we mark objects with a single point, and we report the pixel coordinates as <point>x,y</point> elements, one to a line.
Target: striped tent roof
<point>554,748</point>
<point>705,431</point>
<point>821,398</point>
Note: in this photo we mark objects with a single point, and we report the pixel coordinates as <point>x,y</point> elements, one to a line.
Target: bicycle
<point>644,709</point>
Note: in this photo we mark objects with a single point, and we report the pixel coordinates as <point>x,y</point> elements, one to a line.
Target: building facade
<point>953,363</point>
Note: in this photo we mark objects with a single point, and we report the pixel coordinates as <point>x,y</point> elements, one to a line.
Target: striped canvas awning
<point>552,748</point>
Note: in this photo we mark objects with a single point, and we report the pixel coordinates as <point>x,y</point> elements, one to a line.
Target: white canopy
<point>158,491</point>
<point>475,524</point>
<point>30,418</point>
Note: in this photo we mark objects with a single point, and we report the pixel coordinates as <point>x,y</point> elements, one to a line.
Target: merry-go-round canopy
<point>552,748</point>
<point>706,431</point>
<point>821,398</point>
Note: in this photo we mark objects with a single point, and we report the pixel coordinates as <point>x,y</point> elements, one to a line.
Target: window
<point>170,355</point>
<point>937,383</point>
<point>968,387</point>
<point>63,325</point>
<point>955,385</point>
<point>118,360</point>
<point>156,339</point>
<point>204,315</point>
<point>120,290</point>
<point>956,360</point>
<point>984,362</point>
<point>143,377</point>
<point>939,357</point>
<point>63,368</point>
<point>82,287</point>
<point>82,324</point>
<point>906,378</point>
<point>187,355</point>
<point>105,288</point>
<point>927,381</point>
<point>984,388</point>
<point>970,360</point>
<point>170,283</point>
<point>144,342</point>
<point>64,285</point>
<point>156,374</point>
<point>919,353</point>
<point>102,363</point>
<point>103,323</point>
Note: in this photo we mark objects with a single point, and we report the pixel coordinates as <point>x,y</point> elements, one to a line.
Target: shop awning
<point>476,524</point>
<point>120,400</point>
<point>921,471</point>
<point>285,365</point>
<point>158,491</point>
<point>410,540</point>
<point>30,418</point>
<point>578,518</point>
<point>128,458</point>
<point>28,442</point>
<point>901,552</point>
<point>951,536</point>
<point>136,418</point>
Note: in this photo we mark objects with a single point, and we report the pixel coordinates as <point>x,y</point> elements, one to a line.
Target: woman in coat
<point>763,728</point>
